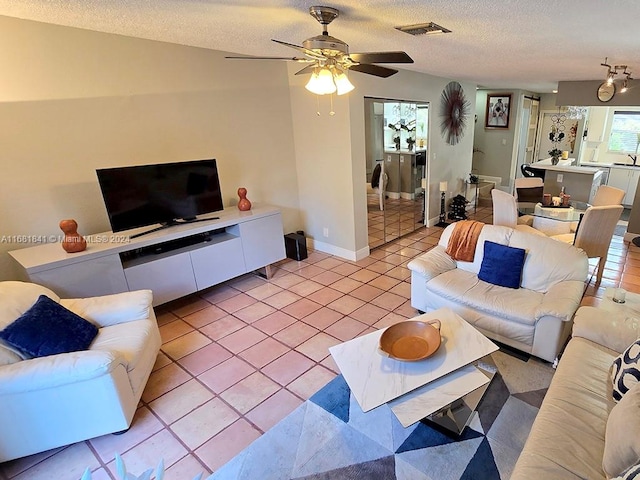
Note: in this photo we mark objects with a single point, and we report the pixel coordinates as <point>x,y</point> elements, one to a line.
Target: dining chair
<point>505,212</point>
<point>606,195</point>
<point>528,190</point>
<point>594,233</point>
<point>378,185</point>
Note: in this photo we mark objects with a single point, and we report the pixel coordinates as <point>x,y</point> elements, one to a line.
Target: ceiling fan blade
<point>295,59</point>
<point>306,51</point>
<point>383,72</point>
<point>307,69</point>
<point>381,57</point>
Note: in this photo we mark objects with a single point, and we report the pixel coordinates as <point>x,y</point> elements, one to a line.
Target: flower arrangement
<point>555,152</point>
<point>556,135</point>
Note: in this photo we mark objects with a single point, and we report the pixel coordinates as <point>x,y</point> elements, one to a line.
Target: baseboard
<point>338,251</point>
<point>487,178</point>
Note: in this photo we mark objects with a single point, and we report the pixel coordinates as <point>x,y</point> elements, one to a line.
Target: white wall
<point>73,100</point>
<point>498,156</point>
<point>332,178</point>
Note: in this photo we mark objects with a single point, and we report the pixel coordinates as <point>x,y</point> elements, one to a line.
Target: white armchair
<point>56,400</point>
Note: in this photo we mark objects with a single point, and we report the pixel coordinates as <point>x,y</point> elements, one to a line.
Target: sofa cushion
<point>108,310</point>
<point>129,341</point>
<point>568,435</point>
<point>502,265</point>
<point>548,261</point>
<point>495,233</point>
<point>622,442</point>
<point>465,288</point>
<point>625,372</point>
<point>17,297</point>
<point>48,328</point>
<point>8,355</point>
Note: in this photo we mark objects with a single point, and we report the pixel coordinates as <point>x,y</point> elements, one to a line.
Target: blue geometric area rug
<point>329,437</point>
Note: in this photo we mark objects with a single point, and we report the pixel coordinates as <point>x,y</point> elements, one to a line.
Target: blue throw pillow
<point>502,265</point>
<point>48,328</point>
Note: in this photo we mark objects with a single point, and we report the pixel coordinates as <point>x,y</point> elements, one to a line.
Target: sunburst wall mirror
<point>454,109</point>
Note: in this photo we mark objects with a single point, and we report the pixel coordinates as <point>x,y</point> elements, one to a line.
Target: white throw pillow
<point>18,297</point>
<point>625,371</point>
<point>113,309</point>
<point>632,474</point>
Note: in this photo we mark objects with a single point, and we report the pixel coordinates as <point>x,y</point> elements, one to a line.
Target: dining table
<point>554,220</point>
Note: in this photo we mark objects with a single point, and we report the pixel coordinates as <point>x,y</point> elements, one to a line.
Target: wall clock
<point>454,109</point>
<point>606,91</point>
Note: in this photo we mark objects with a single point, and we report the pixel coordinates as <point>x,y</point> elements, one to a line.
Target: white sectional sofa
<point>577,433</point>
<point>535,318</point>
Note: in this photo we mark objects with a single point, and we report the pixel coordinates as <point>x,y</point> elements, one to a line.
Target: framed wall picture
<point>498,110</point>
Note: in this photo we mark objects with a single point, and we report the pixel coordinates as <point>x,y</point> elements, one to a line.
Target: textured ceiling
<point>529,44</point>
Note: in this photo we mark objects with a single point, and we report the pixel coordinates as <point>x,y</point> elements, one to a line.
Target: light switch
<point>560,178</point>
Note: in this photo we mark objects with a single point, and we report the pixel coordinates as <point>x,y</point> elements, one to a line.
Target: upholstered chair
<point>606,195</point>
<point>594,233</point>
<point>47,399</point>
<point>505,212</point>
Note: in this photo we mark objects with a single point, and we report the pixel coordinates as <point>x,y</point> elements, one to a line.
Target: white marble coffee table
<point>434,383</point>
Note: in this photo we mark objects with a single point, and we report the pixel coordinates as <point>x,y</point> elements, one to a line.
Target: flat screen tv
<point>165,193</point>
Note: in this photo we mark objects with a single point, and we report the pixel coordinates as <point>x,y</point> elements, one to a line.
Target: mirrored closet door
<point>396,153</point>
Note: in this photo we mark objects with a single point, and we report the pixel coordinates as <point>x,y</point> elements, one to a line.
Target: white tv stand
<point>172,262</point>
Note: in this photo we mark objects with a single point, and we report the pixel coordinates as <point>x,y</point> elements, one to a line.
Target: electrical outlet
<point>560,178</point>
<point>325,232</point>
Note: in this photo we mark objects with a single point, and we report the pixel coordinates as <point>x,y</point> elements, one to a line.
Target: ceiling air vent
<point>423,29</point>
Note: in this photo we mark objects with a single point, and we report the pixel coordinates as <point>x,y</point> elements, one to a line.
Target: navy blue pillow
<point>502,265</point>
<point>48,328</point>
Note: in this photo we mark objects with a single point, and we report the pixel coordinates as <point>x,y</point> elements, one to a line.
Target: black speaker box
<point>295,245</point>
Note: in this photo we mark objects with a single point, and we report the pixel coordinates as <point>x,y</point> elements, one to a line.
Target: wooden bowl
<point>411,341</point>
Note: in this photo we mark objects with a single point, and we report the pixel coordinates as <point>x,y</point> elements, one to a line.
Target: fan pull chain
<point>318,105</point>
<point>332,113</point>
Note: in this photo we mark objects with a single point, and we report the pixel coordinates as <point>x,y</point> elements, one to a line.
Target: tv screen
<point>164,193</point>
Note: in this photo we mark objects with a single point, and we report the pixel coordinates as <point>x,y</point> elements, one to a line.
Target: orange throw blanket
<point>463,240</point>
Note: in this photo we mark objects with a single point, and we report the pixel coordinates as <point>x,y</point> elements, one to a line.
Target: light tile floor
<point>239,357</point>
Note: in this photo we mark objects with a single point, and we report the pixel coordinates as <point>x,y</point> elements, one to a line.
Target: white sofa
<point>535,318</point>
<point>571,434</point>
<point>57,400</point>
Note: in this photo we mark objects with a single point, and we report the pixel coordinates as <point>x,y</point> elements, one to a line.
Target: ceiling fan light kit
<point>607,89</point>
<point>329,60</point>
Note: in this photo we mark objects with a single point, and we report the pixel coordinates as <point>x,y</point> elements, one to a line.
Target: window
<point>625,132</point>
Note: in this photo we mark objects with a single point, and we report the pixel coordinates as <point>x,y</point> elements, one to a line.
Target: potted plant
<point>555,155</point>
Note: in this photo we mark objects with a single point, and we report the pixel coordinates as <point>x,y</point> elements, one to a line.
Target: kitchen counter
<point>596,164</point>
<point>579,182</point>
<point>561,162</point>
<point>565,168</point>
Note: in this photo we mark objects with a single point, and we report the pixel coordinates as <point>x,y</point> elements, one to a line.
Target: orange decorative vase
<point>243,204</point>
<point>73,241</point>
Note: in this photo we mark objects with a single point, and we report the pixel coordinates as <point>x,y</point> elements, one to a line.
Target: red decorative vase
<point>73,241</point>
<point>243,204</point>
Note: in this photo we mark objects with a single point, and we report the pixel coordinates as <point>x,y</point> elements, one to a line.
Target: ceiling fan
<point>328,58</point>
